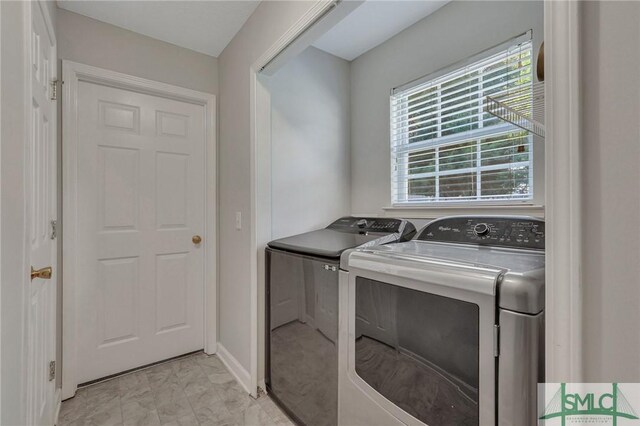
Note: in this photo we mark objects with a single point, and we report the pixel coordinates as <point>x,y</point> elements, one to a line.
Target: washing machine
<point>302,313</point>
<point>447,329</point>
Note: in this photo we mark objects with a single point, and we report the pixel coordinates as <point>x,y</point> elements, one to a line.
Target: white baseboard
<point>237,370</point>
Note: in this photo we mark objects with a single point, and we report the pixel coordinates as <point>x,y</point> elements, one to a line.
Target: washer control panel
<point>367,224</point>
<point>364,225</point>
<point>505,231</point>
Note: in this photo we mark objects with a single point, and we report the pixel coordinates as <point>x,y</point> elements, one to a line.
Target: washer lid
<point>323,242</point>
<point>346,233</point>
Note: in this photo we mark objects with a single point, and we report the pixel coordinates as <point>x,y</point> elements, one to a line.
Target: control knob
<point>362,223</point>
<point>481,229</point>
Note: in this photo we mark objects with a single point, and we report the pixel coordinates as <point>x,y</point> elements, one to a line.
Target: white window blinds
<point>444,148</point>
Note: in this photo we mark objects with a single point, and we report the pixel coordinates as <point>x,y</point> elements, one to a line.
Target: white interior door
<point>41,193</point>
<point>141,202</point>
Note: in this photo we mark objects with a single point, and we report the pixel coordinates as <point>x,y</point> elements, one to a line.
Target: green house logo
<point>589,407</point>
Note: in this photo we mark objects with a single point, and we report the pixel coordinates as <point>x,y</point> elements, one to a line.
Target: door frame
<point>72,74</point>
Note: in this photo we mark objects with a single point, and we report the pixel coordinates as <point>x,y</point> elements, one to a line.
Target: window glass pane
<point>505,149</point>
<point>507,74</point>
<point>423,113</point>
<point>422,162</point>
<point>422,188</point>
<point>459,185</point>
<point>455,157</point>
<point>503,182</point>
<point>460,104</point>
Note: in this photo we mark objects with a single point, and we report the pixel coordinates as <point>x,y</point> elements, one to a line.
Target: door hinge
<point>496,340</point>
<point>52,370</point>
<point>54,229</point>
<point>54,90</point>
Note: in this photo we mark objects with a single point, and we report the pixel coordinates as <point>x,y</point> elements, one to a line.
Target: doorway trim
<point>72,74</point>
<point>563,189</point>
<point>562,182</point>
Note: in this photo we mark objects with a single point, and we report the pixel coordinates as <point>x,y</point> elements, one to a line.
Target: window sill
<point>436,211</point>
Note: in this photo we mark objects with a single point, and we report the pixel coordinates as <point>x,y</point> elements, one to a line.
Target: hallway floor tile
<point>193,390</point>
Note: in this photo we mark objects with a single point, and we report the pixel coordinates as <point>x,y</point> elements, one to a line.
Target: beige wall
<point>91,42</point>
<point>310,126</point>
<point>611,197</point>
<point>265,26</point>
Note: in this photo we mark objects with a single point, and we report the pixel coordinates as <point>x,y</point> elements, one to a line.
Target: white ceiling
<point>203,26</point>
<point>373,23</point>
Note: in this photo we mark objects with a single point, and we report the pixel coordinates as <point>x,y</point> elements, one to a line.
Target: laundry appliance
<point>447,329</point>
<point>302,312</point>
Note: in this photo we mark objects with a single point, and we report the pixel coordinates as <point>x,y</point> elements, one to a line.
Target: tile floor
<point>194,390</point>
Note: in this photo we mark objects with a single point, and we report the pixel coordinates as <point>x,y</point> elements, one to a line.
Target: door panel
<point>171,199</point>
<point>118,292</point>
<point>172,298</point>
<point>41,187</point>
<point>141,191</point>
<point>118,186</point>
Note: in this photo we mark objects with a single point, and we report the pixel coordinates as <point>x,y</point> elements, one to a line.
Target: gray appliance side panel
<point>302,357</point>
<point>521,367</point>
<point>523,292</point>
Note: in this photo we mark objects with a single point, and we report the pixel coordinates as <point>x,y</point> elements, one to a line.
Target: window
<point>445,148</point>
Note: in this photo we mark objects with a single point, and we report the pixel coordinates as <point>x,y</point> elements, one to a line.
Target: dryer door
<point>421,348</point>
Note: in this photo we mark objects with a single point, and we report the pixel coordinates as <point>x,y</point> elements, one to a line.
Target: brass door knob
<point>197,239</point>
<point>44,273</point>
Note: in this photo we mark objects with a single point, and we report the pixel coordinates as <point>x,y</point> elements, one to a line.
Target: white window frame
<point>399,161</point>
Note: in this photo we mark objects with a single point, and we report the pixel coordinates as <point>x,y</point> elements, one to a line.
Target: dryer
<point>302,312</point>
<point>447,329</point>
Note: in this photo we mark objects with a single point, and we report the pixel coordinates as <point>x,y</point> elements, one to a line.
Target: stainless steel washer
<point>302,313</point>
<point>447,329</point>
